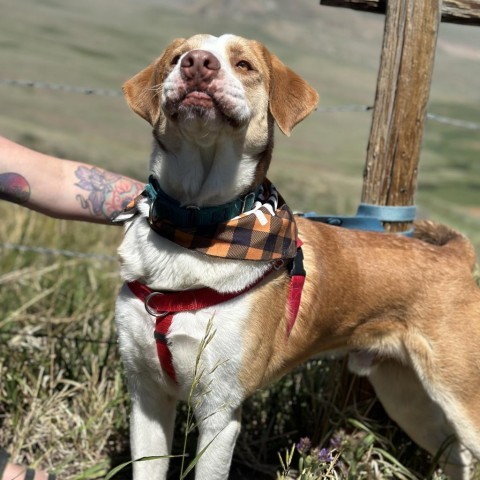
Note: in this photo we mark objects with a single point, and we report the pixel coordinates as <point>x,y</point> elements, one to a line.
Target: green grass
<point>63,401</point>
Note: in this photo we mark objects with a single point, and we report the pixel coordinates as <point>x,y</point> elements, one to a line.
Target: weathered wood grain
<point>466,12</point>
<point>402,92</point>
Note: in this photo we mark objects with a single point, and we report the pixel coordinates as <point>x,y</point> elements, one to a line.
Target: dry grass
<point>62,398</point>
<point>63,401</point>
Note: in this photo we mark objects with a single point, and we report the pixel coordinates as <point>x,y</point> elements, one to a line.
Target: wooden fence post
<point>403,86</point>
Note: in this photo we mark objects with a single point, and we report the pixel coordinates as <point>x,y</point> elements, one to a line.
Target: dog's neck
<point>208,173</point>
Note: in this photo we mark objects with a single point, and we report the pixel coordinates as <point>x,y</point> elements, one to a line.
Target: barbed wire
<point>57,337</point>
<point>344,108</point>
<point>323,109</point>
<point>54,251</point>
<point>454,121</point>
<point>104,92</point>
<point>430,116</point>
<point>66,253</point>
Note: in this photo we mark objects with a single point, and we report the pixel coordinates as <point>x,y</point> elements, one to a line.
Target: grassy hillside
<point>101,44</point>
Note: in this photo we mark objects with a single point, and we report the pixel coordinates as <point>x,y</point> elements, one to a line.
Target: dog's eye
<point>175,60</point>
<point>244,65</point>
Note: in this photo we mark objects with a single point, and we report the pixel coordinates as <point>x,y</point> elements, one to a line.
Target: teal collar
<point>164,207</point>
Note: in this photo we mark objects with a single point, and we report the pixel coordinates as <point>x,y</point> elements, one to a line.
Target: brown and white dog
<point>407,310</point>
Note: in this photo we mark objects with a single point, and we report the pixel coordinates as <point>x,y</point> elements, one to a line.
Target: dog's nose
<point>199,66</point>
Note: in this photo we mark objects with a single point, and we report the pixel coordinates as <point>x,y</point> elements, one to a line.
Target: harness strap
<point>297,281</point>
<point>164,306</point>
<point>159,304</point>
<point>162,325</point>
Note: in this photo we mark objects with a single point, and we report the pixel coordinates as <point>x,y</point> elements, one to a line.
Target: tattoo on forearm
<point>109,192</point>
<point>14,188</point>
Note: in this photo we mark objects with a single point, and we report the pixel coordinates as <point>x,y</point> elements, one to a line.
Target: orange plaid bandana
<point>267,232</point>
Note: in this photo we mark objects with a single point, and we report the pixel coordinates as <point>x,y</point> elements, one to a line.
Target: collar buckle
<point>248,201</point>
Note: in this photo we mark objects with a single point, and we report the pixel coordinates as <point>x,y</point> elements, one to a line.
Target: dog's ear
<point>291,97</point>
<point>140,95</point>
<point>143,91</point>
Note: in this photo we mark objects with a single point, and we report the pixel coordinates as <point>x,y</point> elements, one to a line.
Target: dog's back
<point>441,235</point>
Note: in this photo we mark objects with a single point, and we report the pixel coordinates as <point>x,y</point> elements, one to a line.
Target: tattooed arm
<point>62,188</point>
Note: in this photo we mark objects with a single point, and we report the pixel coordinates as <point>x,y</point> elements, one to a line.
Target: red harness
<point>164,306</point>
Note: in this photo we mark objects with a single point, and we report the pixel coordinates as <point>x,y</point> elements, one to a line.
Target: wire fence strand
<point>16,333</point>
<point>104,92</point>
<point>323,109</point>
<point>54,251</point>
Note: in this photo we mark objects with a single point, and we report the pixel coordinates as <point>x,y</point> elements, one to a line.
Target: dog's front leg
<point>218,432</point>
<point>151,430</point>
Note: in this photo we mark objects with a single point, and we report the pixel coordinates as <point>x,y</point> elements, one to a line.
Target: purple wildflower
<point>324,456</point>
<point>336,441</point>
<point>304,445</point>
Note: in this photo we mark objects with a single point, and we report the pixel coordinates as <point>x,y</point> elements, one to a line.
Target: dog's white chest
<point>206,345</point>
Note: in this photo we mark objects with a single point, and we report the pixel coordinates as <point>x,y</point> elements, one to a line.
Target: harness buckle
<point>149,309</point>
<point>278,264</point>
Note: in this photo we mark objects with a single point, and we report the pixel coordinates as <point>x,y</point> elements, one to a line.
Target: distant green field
<point>101,44</point>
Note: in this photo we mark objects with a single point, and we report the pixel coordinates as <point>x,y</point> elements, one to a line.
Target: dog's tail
<point>441,235</point>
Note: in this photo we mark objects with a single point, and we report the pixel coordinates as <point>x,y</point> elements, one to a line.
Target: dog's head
<point>227,81</point>
<point>212,102</point>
